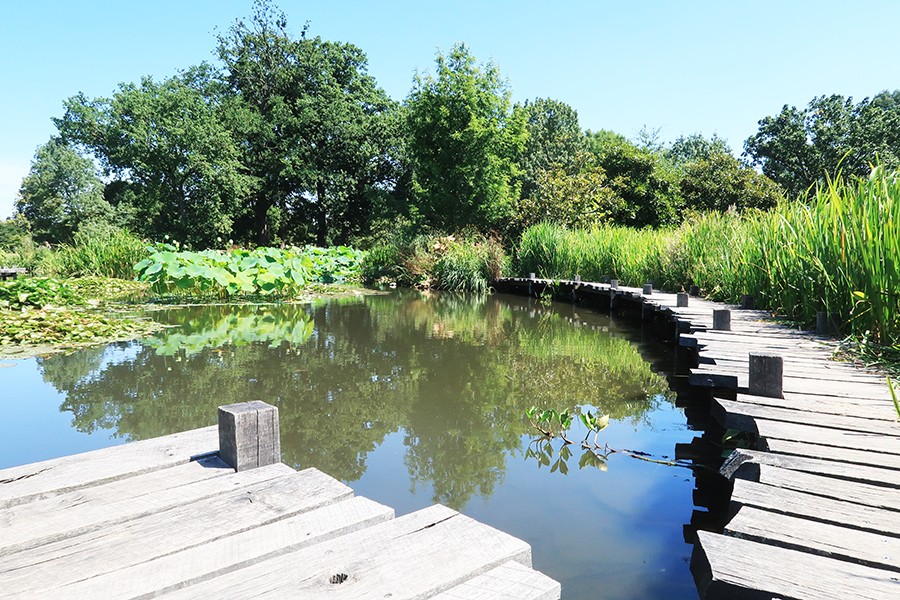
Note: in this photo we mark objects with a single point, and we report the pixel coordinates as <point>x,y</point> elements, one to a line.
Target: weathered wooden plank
<point>58,475</point>
<point>819,369</point>
<point>741,416</point>
<point>152,536</point>
<point>44,521</point>
<point>441,547</point>
<point>509,581</point>
<point>872,549</point>
<point>865,494</point>
<point>809,384</point>
<point>811,449</point>
<point>833,468</point>
<point>811,506</point>
<point>728,567</point>
<point>224,555</point>
<point>852,407</point>
<point>826,436</point>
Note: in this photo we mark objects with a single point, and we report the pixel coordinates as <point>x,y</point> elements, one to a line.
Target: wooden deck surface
<point>168,518</point>
<point>815,509</point>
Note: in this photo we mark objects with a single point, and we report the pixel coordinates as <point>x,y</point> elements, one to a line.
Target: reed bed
<point>836,250</point>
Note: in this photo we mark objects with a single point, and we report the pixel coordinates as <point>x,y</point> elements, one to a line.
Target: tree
<point>800,147</point>
<point>554,140</point>
<point>60,192</point>
<point>695,147</point>
<point>464,138</point>
<point>720,182</point>
<point>169,145</point>
<point>646,182</point>
<point>315,129</point>
<point>573,195</point>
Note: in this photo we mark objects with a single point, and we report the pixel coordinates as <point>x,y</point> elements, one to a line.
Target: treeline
<point>287,139</point>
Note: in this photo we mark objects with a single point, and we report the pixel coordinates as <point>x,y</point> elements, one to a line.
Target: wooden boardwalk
<point>169,517</point>
<point>814,510</point>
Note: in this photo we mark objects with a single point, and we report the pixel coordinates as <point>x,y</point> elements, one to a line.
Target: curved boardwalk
<point>815,507</point>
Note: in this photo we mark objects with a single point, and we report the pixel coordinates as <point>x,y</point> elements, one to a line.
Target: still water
<point>410,399</point>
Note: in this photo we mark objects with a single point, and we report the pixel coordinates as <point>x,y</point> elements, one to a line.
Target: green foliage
<point>22,330</point>
<point>39,292</point>
<point>694,147</point>
<point>264,271</point>
<point>438,262</point>
<point>464,139</point>
<point>577,195</point>
<point>554,141</point>
<point>60,192</point>
<point>12,234</point>
<point>835,253</point>
<point>646,182</point>
<point>101,252</point>
<point>720,182</point>
<point>171,143</point>
<point>798,148</point>
<point>26,254</point>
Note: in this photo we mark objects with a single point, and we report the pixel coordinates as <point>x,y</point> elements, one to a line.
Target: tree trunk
<point>261,221</point>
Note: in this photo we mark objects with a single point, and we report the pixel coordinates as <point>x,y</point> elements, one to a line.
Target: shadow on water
<point>417,398</point>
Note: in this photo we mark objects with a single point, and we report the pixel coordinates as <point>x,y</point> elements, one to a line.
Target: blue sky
<point>680,67</point>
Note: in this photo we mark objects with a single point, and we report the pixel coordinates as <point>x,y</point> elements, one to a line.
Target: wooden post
<point>722,319</point>
<point>249,435</point>
<point>613,284</point>
<point>681,300</point>
<point>695,290</point>
<point>648,289</point>
<point>747,302</point>
<point>577,279</point>
<point>826,323</point>
<point>766,375</point>
<point>531,276</point>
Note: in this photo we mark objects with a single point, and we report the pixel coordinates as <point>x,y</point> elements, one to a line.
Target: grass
<point>108,253</point>
<point>837,250</point>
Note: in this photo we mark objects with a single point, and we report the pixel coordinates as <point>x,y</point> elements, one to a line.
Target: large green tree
<point>61,192</point>
<point>464,139</point>
<point>554,140</point>
<point>799,147</point>
<point>645,180</point>
<point>169,147</point>
<point>316,131</point>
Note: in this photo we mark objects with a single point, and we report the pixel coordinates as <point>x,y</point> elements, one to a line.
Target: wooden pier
<point>813,505</point>
<point>11,272</point>
<point>213,513</point>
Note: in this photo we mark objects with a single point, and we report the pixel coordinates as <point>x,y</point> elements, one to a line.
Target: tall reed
<point>837,250</point>
<point>104,253</point>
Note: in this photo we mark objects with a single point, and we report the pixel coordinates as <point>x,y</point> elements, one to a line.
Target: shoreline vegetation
<point>834,250</point>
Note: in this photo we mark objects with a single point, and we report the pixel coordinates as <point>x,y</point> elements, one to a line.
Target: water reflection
<point>452,375</point>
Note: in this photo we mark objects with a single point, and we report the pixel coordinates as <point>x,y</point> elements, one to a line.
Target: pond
<point>411,399</point>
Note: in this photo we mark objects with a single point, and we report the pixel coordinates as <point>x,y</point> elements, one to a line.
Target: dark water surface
<point>411,399</point>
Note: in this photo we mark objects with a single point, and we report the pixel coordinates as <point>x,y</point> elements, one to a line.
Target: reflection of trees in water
<point>455,373</point>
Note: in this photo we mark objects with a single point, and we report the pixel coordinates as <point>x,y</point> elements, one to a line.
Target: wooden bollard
<point>681,300</point>
<point>613,284</point>
<point>694,290</point>
<point>577,279</point>
<point>747,302</point>
<point>722,319</point>
<point>766,375</point>
<point>249,435</point>
<point>531,276</point>
<point>826,324</point>
<point>648,289</point>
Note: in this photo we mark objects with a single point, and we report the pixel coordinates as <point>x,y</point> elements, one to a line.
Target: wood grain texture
<point>811,506</point>
<point>509,581</point>
<point>59,475</point>
<point>811,449</point>
<point>829,487</point>
<point>827,436</point>
<point>415,556</point>
<point>193,565</point>
<point>139,540</point>
<point>872,549</point>
<point>73,513</point>
<point>833,468</point>
<point>743,416</point>
<point>728,567</point>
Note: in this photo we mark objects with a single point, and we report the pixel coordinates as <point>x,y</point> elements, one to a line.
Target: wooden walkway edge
<point>815,507</point>
<point>171,517</point>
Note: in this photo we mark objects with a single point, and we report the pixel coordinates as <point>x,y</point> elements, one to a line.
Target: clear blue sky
<point>679,66</point>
